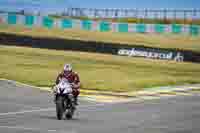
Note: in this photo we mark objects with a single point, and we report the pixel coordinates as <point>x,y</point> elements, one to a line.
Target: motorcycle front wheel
<point>59,107</point>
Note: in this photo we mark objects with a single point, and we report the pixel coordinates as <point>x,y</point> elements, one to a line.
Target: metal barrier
<point>102,26</point>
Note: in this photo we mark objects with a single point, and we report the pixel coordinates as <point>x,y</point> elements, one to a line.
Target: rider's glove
<point>73,85</point>
<point>53,90</point>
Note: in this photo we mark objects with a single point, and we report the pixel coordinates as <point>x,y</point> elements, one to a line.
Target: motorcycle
<point>64,100</point>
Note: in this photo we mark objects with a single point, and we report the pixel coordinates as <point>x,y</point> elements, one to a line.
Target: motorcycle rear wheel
<point>70,112</point>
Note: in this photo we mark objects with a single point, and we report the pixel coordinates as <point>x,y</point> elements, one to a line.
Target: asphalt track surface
<point>28,110</point>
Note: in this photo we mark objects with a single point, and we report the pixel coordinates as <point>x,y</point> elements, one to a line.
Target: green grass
<point>97,71</point>
<point>166,40</point>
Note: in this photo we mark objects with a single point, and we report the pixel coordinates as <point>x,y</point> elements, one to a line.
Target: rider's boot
<point>54,94</point>
<point>76,100</point>
<point>54,98</point>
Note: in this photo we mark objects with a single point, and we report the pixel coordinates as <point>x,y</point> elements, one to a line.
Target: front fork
<point>71,99</point>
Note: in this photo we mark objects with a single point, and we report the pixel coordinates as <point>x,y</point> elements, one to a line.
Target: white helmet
<point>67,67</point>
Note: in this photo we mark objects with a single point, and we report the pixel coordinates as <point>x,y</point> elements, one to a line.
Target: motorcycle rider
<point>73,78</point>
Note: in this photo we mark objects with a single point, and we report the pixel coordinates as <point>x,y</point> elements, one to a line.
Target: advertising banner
<point>152,53</point>
<point>159,28</point>
<point>123,27</point>
<point>66,24</point>
<point>12,19</point>
<point>48,22</point>
<point>104,26</point>
<point>87,25</point>
<point>176,28</point>
<point>29,21</point>
<point>194,29</point>
<point>141,28</point>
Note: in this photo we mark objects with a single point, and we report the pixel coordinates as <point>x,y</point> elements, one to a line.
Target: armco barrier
<point>99,47</point>
<point>102,26</point>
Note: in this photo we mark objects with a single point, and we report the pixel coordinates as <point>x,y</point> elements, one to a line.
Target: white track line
<point>19,83</point>
<point>26,128</point>
<point>27,111</point>
<point>88,107</point>
<point>23,105</point>
<point>45,110</point>
<point>88,98</point>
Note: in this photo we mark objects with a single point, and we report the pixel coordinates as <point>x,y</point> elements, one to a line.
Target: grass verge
<point>40,67</point>
<point>165,40</point>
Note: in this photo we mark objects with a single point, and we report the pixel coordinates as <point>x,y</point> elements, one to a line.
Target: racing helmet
<point>67,69</point>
